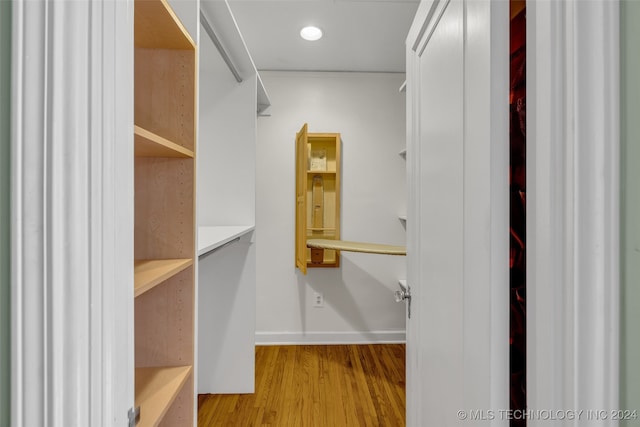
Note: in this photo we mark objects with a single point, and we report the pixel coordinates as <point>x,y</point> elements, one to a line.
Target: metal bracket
<point>134,416</point>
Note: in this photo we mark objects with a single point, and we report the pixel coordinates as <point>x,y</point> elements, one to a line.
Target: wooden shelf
<point>156,389</point>
<point>213,237</point>
<point>320,172</point>
<point>152,272</point>
<point>148,144</point>
<point>158,27</point>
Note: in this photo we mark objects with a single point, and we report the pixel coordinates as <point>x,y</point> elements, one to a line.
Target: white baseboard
<point>326,338</point>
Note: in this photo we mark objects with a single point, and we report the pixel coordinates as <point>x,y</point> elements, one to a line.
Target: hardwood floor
<point>317,386</point>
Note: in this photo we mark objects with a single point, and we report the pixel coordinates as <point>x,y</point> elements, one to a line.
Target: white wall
<point>369,112</point>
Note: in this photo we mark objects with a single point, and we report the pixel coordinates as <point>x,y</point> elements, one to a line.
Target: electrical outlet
<point>318,299</point>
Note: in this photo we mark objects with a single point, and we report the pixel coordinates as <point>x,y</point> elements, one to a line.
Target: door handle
<point>134,416</point>
<point>404,294</point>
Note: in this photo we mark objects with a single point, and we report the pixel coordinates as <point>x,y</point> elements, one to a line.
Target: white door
<point>457,222</point>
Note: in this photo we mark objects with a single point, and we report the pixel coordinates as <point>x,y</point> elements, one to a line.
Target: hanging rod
<point>212,35</point>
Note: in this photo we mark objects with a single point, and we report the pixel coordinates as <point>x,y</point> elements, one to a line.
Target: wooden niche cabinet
<point>164,237</point>
<point>317,197</point>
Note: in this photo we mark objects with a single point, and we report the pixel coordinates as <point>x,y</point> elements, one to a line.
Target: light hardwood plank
<point>317,386</point>
<point>151,272</point>
<point>155,389</point>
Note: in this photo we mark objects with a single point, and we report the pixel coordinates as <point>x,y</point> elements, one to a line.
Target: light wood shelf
<point>320,172</point>
<point>156,389</point>
<point>148,144</point>
<point>152,272</point>
<point>158,27</point>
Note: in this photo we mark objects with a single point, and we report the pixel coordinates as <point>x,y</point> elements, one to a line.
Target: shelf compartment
<point>152,272</point>
<point>163,322</point>
<point>326,144</point>
<point>164,97</point>
<point>157,26</point>
<point>164,208</point>
<point>155,389</point>
<point>148,144</point>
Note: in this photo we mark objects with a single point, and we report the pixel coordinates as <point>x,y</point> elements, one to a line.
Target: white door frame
<point>72,213</point>
<point>572,216</point>
<point>573,207</point>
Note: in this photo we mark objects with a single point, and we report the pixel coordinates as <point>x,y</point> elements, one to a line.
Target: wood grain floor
<point>317,386</point>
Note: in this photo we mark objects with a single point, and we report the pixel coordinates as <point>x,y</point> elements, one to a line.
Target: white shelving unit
<point>231,96</point>
<point>215,237</point>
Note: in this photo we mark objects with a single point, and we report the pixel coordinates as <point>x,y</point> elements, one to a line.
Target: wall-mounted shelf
<point>156,389</point>
<point>211,238</point>
<point>317,197</point>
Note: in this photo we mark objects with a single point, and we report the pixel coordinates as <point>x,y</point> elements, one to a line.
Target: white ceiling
<point>359,35</point>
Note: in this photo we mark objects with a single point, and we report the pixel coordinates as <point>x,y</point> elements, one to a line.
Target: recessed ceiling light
<point>311,33</point>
